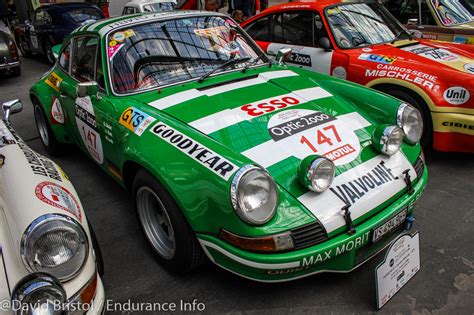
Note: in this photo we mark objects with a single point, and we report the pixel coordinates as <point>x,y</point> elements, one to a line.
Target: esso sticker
<point>263,107</point>
<point>305,132</point>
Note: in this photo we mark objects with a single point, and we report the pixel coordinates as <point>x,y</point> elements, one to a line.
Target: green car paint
<point>193,137</point>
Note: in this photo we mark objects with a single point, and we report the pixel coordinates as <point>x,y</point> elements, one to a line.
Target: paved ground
<point>445,218</point>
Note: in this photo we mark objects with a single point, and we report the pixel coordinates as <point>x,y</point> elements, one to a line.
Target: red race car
<point>364,43</point>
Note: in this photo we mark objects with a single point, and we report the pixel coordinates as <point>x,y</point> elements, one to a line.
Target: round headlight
<point>55,244</point>
<point>254,195</point>
<point>411,122</point>
<point>391,140</point>
<point>38,293</point>
<point>317,173</point>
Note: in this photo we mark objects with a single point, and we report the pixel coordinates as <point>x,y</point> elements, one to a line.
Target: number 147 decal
<point>327,135</point>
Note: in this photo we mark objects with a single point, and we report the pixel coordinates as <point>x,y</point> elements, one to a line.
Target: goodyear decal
<point>203,155</point>
<point>54,81</point>
<point>377,58</point>
<point>39,164</point>
<point>135,120</point>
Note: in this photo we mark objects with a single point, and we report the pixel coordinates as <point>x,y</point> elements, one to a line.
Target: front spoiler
<point>342,253</point>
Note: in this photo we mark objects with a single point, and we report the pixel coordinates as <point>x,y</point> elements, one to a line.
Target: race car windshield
<point>452,12</point>
<point>83,15</point>
<point>359,25</point>
<point>160,6</point>
<point>161,53</point>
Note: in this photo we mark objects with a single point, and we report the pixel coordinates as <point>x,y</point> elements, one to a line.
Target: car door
<point>82,114</point>
<point>41,22</point>
<point>298,30</point>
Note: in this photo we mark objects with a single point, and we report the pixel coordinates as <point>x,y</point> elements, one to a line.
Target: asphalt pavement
<point>444,217</point>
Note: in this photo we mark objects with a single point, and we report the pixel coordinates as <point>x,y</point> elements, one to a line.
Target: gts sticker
<point>377,58</point>
<point>135,120</point>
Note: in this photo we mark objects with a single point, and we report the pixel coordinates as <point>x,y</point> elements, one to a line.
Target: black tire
<point>97,251</point>
<point>51,144</point>
<point>24,52</point>
<point>416,101</point>
<point>16,72</point>
<point>49,52</point>
<point>187,254</point>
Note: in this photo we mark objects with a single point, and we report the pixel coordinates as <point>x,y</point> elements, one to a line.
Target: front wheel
<point>52,146</point>
<point>164,226</point>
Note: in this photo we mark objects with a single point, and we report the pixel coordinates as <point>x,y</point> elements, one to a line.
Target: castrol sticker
<point>59,197</point>
<point>307,132</point>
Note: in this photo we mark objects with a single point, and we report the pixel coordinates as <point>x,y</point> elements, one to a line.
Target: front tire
<point>51,144</point>
<point>164,225</point>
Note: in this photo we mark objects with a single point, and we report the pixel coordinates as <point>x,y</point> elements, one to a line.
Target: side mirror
<point>412,22</point>
<point>87,89</point>
<point>10,108</point>
<point>282,55</point>
<point>324,43</point>
<point>55,50</point>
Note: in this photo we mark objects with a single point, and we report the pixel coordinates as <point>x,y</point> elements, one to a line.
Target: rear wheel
<point>48,49</point>
<point>415,100</point>
<point>164,225</point>
<point>51,144</point>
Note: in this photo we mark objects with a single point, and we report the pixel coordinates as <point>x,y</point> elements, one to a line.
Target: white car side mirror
<point>10,108</point>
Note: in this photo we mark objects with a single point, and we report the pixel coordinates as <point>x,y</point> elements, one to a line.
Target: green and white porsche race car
<point>273,172</point>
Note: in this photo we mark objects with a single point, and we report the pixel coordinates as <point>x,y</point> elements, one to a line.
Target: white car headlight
<point>55,244</point>
<point>39,293</point>
<point>316,173</point>
<point>411,122</point>
<point>254,195</point>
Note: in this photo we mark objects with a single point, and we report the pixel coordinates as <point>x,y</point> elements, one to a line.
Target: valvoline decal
<point>135,120</point>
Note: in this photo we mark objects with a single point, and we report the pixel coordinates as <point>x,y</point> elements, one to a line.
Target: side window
<point>65,58</point>
<point>84,58</point>
<point>426,15</point>
<point>259,29</point>
<point>99,72</point>
<point>293,28</point>
<point>128,10</point>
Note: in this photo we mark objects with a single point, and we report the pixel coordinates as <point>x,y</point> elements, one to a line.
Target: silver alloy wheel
<point>41,125</point>
<point>156,222</point>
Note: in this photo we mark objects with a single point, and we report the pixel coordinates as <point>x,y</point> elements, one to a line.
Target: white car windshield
<point>161,53</point>
<point>452,12</point>
<point>359,25</point>
<point>159,6</point>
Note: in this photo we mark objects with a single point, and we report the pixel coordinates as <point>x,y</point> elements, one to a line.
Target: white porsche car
<point>51,262</point>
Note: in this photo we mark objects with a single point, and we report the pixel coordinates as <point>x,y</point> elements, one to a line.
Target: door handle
<point>62,95</point>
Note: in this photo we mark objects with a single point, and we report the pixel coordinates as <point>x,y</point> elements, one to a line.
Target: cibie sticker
<point>135,120</point>
<point>87,125</point>
<point>59,197</point>
<point>469,67</point>
<point>456,95</point>
<point>436,54</point>
<point>57,115</point>
<point>307,132</point>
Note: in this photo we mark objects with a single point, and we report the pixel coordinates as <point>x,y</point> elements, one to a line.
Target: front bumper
<point>10,65</point>
<point>453,132</point>
<point>342,253</point>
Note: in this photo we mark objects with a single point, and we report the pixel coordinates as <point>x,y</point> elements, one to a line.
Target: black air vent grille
<point>309,235</point>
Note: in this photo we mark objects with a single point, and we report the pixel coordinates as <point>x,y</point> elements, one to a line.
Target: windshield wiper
<point>226,64</point>
<point>410,36</point>
<point>254,61</point>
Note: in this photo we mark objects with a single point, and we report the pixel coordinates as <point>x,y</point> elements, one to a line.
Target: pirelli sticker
<point>203,155</point>
<point>54,81</point>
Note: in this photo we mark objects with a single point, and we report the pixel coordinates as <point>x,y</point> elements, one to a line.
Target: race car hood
<point>424,54</point>
<point>277,118</point>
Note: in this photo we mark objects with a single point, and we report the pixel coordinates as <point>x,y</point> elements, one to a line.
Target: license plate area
<point>389,225</point>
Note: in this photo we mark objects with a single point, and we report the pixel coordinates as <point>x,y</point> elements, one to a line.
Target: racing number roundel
<point>305,132</point>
